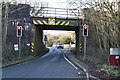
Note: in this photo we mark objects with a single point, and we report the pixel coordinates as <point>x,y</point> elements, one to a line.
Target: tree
<point>104,16</point>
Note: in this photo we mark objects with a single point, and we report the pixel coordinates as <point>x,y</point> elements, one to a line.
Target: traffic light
<point>85,30</point>
<point>19,31</point>
<point>81,47</point>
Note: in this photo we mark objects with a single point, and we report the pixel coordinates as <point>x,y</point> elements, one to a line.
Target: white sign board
<point>114,51</point>
<point>16,47</point>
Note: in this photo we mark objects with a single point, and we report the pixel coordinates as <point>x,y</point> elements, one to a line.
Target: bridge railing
<point>56,12</point>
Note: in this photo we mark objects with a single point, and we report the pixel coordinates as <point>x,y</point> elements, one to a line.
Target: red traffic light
<point>19,27</point>
<point>85,30</point>
<point>19,31</point>
<point>85,27</point>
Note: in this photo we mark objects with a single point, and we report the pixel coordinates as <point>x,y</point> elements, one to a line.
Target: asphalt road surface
<point>51,65</point>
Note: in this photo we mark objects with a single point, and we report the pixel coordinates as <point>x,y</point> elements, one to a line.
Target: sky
<point>52,3</point>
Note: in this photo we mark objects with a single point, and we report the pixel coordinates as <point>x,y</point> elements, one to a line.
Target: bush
<point>112,70</point>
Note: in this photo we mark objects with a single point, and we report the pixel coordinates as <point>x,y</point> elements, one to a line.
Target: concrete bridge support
<point>40,48</point>
<point>77,41</point>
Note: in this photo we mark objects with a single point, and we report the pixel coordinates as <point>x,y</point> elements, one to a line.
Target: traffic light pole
<point>84,48</point>
<point>85,34</point>
<point>19,47</point>
<point>45,43</point>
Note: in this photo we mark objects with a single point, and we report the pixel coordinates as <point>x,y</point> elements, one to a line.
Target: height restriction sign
<point>51,21</point>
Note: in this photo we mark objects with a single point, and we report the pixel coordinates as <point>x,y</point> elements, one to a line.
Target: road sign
<point>15,47</point>
<point>85,30</point>
<point>51,21</point>
<point>19,31</point>
<point>114,57</point>
<point>45,38</point>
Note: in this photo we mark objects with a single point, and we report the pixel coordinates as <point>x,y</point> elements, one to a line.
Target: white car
<point>60,46</point>
<point>54,45</point>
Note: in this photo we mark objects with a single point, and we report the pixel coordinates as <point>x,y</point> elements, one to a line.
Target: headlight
<point>117,57</point>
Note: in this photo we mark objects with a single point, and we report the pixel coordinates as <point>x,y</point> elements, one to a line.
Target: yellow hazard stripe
<point>57,22</point>
<point>32,47</point>
<point>32,44</point>
<point>63,23</point>
<point>35,22</point>
<point>80,47</point>
<point>39,21</point>
<point>44,22</point>
<point>67,23</point>
<point>81,44</point>
<point>32,50</point>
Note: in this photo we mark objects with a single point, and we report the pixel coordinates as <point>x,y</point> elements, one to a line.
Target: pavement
<point>80,65</point>
<point>77,62</point>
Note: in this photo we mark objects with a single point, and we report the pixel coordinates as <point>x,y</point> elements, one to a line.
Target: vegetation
<point>68,38</point>
<point>12,57</point>
<point>111,70</point>
<point>17,61</point>
<point>104,31</point>
<point>10,20</point>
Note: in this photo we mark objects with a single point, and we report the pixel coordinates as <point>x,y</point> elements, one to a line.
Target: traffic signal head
<point>85,30</point>
<point>19,31</point>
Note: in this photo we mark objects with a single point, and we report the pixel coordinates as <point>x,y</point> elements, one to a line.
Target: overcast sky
<point>51,3</point>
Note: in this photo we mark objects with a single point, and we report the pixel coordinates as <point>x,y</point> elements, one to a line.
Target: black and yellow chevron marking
<point>43,22</point>
<point>39,22</point>
<point>32,47</point>
<point>81,47</point>
<point>62,23</point>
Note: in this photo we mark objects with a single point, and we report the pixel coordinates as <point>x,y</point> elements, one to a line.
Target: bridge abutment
<point>77,41</point>
<point>40,48</point>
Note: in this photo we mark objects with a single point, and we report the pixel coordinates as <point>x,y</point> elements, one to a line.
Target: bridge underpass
<point>46,23</point>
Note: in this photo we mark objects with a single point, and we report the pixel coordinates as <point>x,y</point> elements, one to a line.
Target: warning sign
<point>51,21</point>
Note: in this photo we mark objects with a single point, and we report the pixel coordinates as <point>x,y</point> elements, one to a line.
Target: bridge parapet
<point>55,21</point>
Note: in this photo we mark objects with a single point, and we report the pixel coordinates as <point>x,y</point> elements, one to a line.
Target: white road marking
<point>87,75</point>
<point>69,61</point>
<point>94,77</point>
<point>79,73</point>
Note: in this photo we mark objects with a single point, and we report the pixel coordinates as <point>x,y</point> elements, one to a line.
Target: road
<point>51,65</point>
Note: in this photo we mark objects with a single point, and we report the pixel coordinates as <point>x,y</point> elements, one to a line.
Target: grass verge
<point>17,61</point>
<point>99,64</point>
<point>25,58</point>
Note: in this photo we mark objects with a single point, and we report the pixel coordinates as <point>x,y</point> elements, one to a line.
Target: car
<point>60,46</point>
<point>54,45</point>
